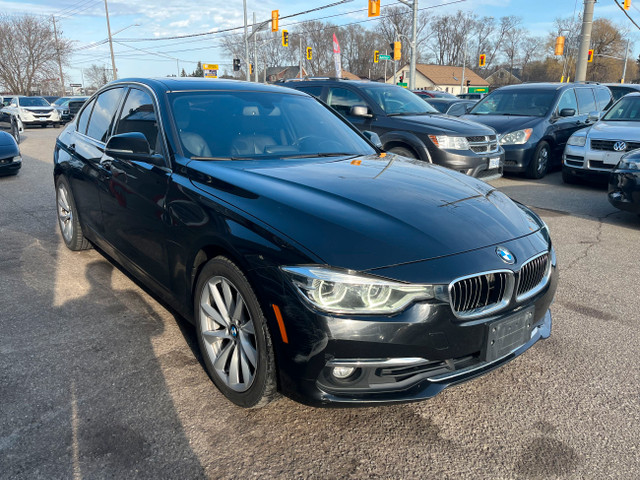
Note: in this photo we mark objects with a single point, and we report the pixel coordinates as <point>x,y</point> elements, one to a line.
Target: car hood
<point>505,123</point>
<point>614,130</point>
<point>7,144</point>
<point>443,124</point>
<point>367,212</point>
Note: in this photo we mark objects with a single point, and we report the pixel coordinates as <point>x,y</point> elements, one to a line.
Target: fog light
<point>343,372</point>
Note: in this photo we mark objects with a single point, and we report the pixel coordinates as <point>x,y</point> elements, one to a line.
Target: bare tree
<point>511,46</point>
<point>29,53</point>
<point>451,35</point>
<point>96,76</point>
<point>397,24</point>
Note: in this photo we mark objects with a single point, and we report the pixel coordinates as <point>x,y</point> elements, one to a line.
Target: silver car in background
<point>596,150</point>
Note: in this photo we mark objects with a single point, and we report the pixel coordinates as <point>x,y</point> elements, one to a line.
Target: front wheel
<point>403,152</point>
<point>233,335</point>
<point>540,162</point>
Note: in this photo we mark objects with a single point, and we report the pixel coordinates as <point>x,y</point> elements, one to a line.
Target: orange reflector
<point>356,162</point>
<point>383,154</point>
<point>283,332</point>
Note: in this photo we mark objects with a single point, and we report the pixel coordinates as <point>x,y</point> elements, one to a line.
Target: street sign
<point>384,57</point>
<point>402,84</point>
<point>210,70</point>
<point>75,85</point>
<point>478,89</point>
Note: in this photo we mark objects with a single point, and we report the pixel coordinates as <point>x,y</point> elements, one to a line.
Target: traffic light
<point>482,60</point>
<point>274,20</point>
<point>309,53</point>
<point>559,50</point>
<point>401,78</point>
<point>590,56</point>
<point>374,8</point>
<point>626,5</point>
<point>236,64</point>
<point>376,56</point>
<point>285,38</point>
<point>396,48</point>
<point>250,68</point>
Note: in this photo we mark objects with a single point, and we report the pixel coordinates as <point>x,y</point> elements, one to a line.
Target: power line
<point>625,12</point>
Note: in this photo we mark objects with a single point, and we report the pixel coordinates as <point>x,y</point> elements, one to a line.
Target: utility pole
<point>464,65</point>
<point>55,35</point>
<point>300,50</point>
<point>255,49</point>
<point>413,44</point>
<point>585,41</point>
<point>113,59</point>
<point>624,69</point>
<point>246,41</point>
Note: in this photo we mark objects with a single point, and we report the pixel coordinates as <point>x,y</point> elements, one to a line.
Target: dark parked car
<point>410,127</point>
<point>10,159</point>
<point>68,107</point>
<point>619,90</point>
<point>433,94</point>
<point>471,96</point>
<point>535,120</point>
<point>451,106</point>
<point>624,183</point>
<point>311,262</point>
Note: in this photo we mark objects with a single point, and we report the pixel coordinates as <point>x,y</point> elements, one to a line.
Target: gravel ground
<point>100,380</point>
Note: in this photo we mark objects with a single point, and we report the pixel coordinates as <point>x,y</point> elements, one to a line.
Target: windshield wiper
<point>400,114</point>
<point>220,159</point>
<point>314,155</point>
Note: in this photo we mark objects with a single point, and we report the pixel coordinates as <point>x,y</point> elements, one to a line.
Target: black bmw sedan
<point>311,263</point>
<point>624,183</point>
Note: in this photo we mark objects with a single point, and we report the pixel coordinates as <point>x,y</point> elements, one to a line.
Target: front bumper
<point>9,166</point>
<point>585,162</point>
<point>30,119</point>
<point>410,356</point>
<point>518,157</point>
<point>624,190</point>
<point>469,163</point>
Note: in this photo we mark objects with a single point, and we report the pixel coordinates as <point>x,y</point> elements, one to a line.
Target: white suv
<point>596,150</point>
<point>34,111</point>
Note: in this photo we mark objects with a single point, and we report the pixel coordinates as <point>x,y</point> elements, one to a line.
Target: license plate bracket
<point>504,336</point>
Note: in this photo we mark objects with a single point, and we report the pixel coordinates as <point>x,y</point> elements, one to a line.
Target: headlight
<point>629,165</point>
<point>338,291</point>
<point>577,140</point>
<point>450,143</point>
<point>516,138</point>
<point>17,159</point>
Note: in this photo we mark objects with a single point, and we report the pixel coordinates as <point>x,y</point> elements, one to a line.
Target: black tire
<point>539,164</point>
<point>56,125</point>
<point>569,178</point>
<point>403,152</point>
<point>68,222</point>
<point>15,131</point>
<point>262,386</point>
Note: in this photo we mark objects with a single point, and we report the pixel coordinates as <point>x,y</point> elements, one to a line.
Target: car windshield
<point>535,103</point>
<point>33,102</point>
<point>254,125</point>
<point>61,101</point>
<point>626,109</point>
<point>398,101</point>
<point>619,92</point>
<point>7,101</point>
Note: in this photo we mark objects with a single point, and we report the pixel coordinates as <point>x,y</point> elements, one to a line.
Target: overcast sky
<point>83,21</point>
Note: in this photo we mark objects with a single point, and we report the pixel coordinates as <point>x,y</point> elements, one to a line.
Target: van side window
<point>568,100</point>
<point>603,98</point>
<point>586,100</point>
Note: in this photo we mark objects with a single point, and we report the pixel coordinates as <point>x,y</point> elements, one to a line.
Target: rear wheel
<point>540,162</point>
<point>68,218</point>
<point>403,152</point>
<point>233,335</point>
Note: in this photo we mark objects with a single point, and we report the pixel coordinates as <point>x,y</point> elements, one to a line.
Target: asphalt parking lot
<point>100,380</point>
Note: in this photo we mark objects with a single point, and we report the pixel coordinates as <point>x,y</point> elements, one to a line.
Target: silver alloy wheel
<point>65,213</point>
<point>228,332</point>
<point>543,158</point>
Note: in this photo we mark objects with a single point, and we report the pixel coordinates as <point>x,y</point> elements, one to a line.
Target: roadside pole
<point>55,34</point>
<point>585,41</point>
<point>247,60</point>
<point>255,49</point>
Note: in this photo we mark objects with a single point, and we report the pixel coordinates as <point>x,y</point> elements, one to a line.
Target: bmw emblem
<point>505,255</point>
<point>620,146</point>
<point>234,331</point>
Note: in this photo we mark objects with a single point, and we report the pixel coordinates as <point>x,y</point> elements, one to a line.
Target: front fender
<point>409,139</point>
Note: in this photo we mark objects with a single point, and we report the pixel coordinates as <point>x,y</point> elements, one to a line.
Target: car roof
<point>445,100</point>
<point>178,84</point>
<point>547,86</point>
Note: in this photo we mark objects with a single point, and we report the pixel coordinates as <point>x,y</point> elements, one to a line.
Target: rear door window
<point>83,119</point>
<point>603,97</point>
<point>103,112</point>
<point>586,101</point>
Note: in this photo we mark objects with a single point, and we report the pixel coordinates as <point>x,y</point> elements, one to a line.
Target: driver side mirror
<point>373,138</point>
<point>359,111</point>
<point>594,117</point>
<point>567,112</point>
<point>132,146</point>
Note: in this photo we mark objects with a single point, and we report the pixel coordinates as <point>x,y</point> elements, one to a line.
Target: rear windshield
<point>626,109</point>
<point>619,92</point>
<point>535,103</point>
<point>440,106</point>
